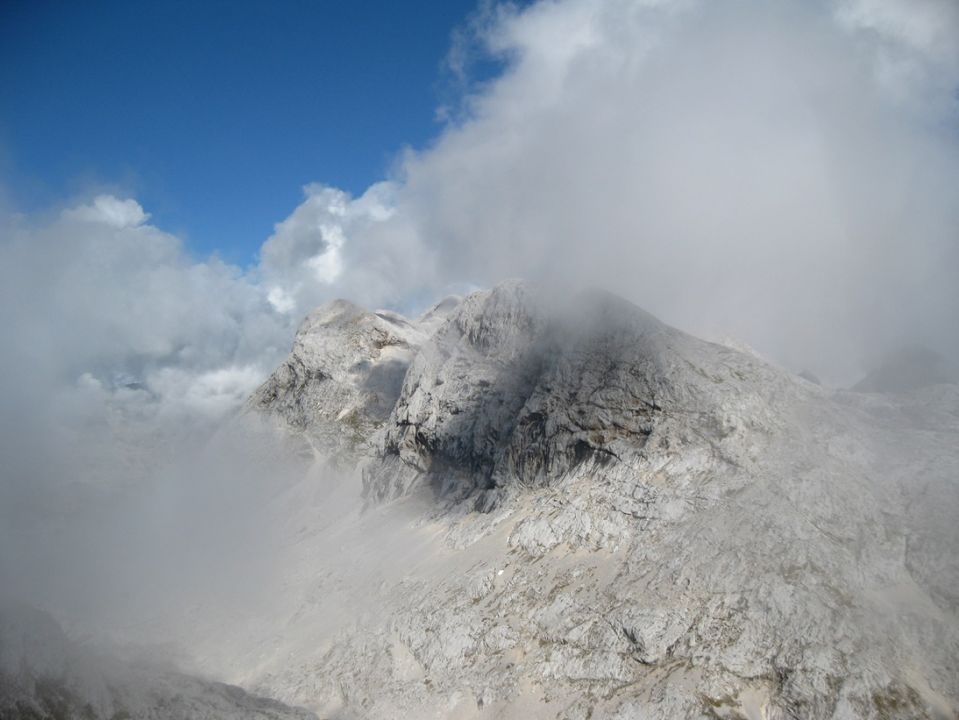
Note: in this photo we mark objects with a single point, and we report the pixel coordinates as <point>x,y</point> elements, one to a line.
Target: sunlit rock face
<point>610,518</point>
<point>514,393</point>
<point>345,372</point>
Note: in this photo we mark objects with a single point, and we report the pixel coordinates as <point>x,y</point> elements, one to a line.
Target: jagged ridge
<point>674,529</point>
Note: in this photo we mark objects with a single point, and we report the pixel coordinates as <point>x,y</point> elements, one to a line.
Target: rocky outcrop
<point>343,376</point>
<point>510,393</point>
<point>577,511</point>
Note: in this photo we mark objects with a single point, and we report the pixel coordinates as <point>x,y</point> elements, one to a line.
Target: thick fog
<point>785,174</point>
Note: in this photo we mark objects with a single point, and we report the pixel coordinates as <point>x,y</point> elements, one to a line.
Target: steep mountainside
<point>45,675</point>
<point>344,374</point>
<point>573,510</point>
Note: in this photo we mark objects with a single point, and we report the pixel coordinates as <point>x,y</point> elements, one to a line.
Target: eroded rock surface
<point>343,376</point>
<point>573,510</point>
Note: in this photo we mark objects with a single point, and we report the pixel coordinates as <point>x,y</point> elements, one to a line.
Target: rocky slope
<point>572,510</point>
<point>344,374</point>
<point>45,675</point>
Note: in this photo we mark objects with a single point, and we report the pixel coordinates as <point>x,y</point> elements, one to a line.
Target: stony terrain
<point>524,506</point>
<point>573,510</point>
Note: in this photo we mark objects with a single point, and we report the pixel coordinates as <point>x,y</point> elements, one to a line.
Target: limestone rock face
<point>343,376</point>
<point>572,510</point>
<point>512,394</point>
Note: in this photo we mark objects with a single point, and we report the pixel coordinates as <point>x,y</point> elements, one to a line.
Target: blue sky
<point>214,114</point>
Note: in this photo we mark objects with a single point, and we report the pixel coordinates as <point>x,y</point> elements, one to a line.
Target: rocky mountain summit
<point>528,506</point>
<point>572,510</point>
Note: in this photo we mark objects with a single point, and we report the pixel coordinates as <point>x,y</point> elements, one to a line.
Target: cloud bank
<point>785,173</point>
<point>782,172</point>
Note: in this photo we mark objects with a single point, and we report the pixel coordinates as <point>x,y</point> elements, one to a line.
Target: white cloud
<point>334,245</point>
<point>281,300</point>
<point>212,393</point>
<point>928,27</point>
<point>914,45</point>
<point>744,167</point>
<point>111,211</point>
<point>112,330</point>
<point>312,237</point>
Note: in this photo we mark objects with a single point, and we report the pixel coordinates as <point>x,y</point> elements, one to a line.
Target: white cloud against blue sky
<point>782,172</point>
<point>214,116</point>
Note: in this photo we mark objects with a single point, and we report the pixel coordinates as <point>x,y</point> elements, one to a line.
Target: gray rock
<point>574,510</point>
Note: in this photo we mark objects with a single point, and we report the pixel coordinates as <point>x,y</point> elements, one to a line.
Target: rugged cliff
<point>577,511</point>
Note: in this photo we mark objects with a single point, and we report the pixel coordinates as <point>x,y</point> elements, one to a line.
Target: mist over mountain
<point>700,462</point>
<point>528,507</point>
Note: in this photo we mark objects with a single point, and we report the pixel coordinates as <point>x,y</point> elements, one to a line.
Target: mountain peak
<point>508,388</point>
<point>608,510</point>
